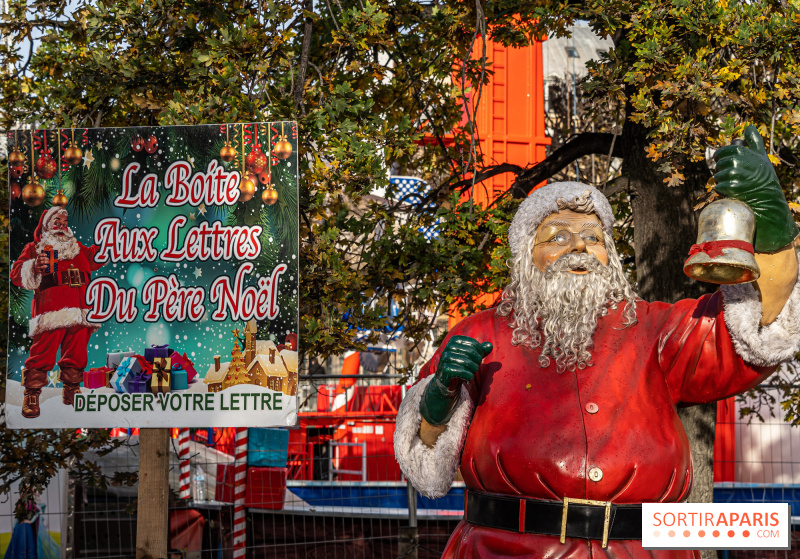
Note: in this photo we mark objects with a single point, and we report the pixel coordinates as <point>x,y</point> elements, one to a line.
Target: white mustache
<point>66,232</point>
<point>573,261</point>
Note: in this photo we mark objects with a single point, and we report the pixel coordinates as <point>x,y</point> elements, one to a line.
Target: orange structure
<point>509,120</point>
<point>510,114</point>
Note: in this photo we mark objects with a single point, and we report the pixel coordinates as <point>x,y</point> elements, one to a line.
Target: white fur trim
<point>430,470</point>
<point>764,346</point>
<point>55,320</point>
<point>31,278</point>
<point>542,202</point>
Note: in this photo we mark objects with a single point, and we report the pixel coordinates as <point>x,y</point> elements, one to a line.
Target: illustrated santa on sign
<point>560,404</point>
<point>57,268</point>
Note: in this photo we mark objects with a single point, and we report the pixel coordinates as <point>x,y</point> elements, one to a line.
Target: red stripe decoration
<point>183,454</point>
<point>63,144</point>
<point>714,248</point>
<point>240,484</point>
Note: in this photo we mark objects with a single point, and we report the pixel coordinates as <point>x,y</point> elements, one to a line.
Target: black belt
<point>571,518</point>
<point>72,277</point>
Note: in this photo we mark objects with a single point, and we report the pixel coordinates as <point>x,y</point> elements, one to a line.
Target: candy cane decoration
<point>183,454</point>
<point>240,484</point>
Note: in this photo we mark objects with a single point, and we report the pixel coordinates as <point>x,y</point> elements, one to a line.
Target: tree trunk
<point>665,227</point>
<point>152,514</point>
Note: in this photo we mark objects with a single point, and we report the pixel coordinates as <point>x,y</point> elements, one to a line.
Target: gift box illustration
<point>113,359</point>
<point>95,377</point>
<point>141,378</point>
<point>127,370</point>
<point>181,362</point>
<point>52,258</point>
<point>154,351</point>
<point>159,382</point>
<point>179,378</point>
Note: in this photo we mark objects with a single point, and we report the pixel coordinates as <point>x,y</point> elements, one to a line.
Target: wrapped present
<point>139,382</point>
<point>150,353</point>
<point>179,379</point>
<point>126,371</point>
<point>115,358</point>
<point>52,258</point>
<point>147,366</point>
<point>267,448</point>
<point>159,382</point>
<point>265,488</point>
<point>182,362</point>
<point>95,378</point>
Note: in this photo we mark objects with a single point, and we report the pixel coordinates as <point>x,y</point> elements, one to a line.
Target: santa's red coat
<point>60,306</point>
<point>533,434</point>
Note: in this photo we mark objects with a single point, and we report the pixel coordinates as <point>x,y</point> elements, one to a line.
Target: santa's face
<point>60,237</point>
<point>59,226</point>
<point>566,232</point>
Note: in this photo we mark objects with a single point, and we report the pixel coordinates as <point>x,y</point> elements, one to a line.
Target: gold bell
<point>724,249</point>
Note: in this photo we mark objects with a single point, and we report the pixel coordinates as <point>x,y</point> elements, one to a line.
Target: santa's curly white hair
<point>557,310</point>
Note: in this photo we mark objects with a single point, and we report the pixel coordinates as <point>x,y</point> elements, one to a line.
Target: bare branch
<point>487,173</point>
<point>587,143</point>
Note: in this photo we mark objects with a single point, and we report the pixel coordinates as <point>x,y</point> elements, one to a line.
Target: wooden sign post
<point>152,512</point>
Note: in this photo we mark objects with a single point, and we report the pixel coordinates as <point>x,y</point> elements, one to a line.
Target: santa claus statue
<point>57,268</point>
<point>560,404</point>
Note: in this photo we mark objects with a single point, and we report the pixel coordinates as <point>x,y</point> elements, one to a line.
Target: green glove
<point>747,174</point>
<point>459,362</point>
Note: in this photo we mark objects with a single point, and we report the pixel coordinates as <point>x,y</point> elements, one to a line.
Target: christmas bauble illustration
<point>282,148</point>
<point>33,194</point>
<point>46,166</point>
<point>269,196</point>
<point>73,154</point>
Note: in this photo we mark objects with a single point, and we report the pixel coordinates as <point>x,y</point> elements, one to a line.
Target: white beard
<point>558,310</point>
<point>68,248</point>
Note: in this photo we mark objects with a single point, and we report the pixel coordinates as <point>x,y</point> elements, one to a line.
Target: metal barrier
<point>333,445</point>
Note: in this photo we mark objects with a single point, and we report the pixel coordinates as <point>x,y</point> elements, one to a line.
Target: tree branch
<point>301,77</point>
<point>487,173</point>
<point>587,143</point>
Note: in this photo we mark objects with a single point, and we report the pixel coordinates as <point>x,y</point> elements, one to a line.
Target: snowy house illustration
<point>264,364</point>
<point>269,365</point>
<point>216,375</point>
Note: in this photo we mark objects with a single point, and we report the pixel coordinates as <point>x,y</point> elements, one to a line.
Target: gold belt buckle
<point>74,276</point>
<point>568,500</point>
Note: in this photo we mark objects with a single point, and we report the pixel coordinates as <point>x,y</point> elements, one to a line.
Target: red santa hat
<point>544,201</point>
<point>44,222</point>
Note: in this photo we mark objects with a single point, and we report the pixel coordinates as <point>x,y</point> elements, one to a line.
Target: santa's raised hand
<point>458,363</point>
<point>744,172</point>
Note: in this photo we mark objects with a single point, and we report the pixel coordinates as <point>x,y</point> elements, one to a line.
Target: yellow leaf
<point>794,206</point>
<point>675,179</point>
<point>774,159</point>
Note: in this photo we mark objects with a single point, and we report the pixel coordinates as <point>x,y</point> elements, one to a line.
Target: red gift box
<point>95,378</point>
<point>266,488</point>
<point>224,490</point>
<point>184,363</point>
